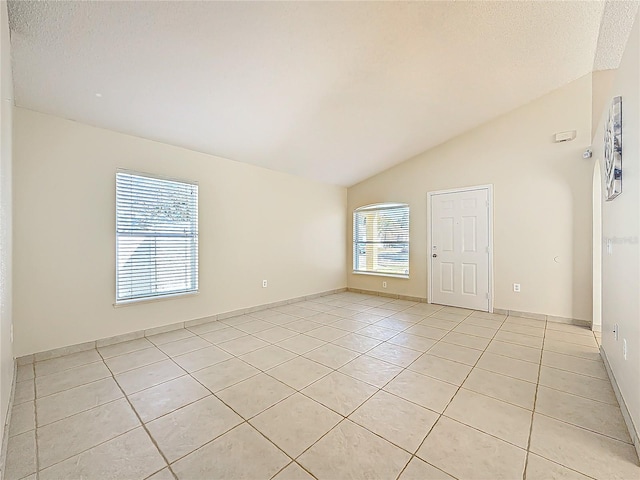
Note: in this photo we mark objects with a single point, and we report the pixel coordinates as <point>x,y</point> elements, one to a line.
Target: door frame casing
<point>489,189</point>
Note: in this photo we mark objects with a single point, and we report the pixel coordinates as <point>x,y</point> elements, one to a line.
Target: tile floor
<point>345,386</point>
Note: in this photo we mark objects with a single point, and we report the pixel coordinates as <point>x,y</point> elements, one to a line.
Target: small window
<point>156,237</point>
<point>381,239</point>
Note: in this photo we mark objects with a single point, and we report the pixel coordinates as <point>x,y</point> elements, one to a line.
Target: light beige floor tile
<point>457,353</point>
<point>470,454</point>
<point>281,319</point>
<point>164,474</point>
<point>202,358</point>
<point>300,344</point>
<point>427,331</point>
<point>224,374</point>
<point>569,328</point>
<point>382,311</point>
<point>74,377</point>
<point>254,326</point>
<point>331,355</point>
<point>394,324</point>
<point>513,350</point>
<point>207,327</point>
<point>131,455</point>
<point>23,418</point>
<point>267,357</point>
<point>441,368</point>
<point>470,329</point>
<point>582,412</point>
<point>124,347</point>
<point>523,329</point>
<point>167,397</point>
<point>223,335</point>
<point>325,318</point>
<point>574,364</point>
<point>25,372</point>
<point>303,325</point>
<point>589,453</point>
<point>395,354</point>
<point>349,325</point>
<point>448,316</point>
<point>530,322</point>
<point>75,400</point>
<point>377,332</point>
<point>371,370</point>
<point>407,317</point>
<point>508,389</point>
<point>503,420</point>
<point>447,325</point>
<point>357,343</point>
<point>242,345</point>
<point>83,431</point>
<point>171,336</point>
<point>183,346</point>
<point>582,385</point>
<point>426,391</point>
<point>21,456</point>
<point>423,309</point>
<point>345,313</point>
<point>299,372</point>
<point>241,453</point>
<point>421,470</point>
<point>275,334</point>
<point>465,340</point>
<point>583,351</point>
<point>339,392</point>
<point>238,320</point>
<point>519,339</point>
<point>129,361</point>
<point>133,381</point>
<point>327,333</point>
<point>484,322</point>
<point>293,471</point>
<point>401,422</point>
<point>509,366</point>
<point>255,394</point>
<point>368,318</point>
<point>567,337</point>
<point>66,362</point>
<point>539,468</point>
<point>489,316</point>
<point>190,427</point>
<point>296,423</point>
<point>24,392</point>
<point>350,451</point>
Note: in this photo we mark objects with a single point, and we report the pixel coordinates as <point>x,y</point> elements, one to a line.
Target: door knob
<point>434,255</point>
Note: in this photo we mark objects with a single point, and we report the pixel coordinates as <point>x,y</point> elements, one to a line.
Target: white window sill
<point>381,274</point>
<point>138,301</point>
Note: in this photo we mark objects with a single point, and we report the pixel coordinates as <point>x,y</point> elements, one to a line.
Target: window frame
<point>356,243</point>
<point>193,234</point>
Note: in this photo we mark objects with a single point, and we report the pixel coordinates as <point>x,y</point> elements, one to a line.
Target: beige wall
<point>602,83</point>
<point>542,203</point>
<point>254,224</point>
<point>6,108</point>
<point>621,227</point>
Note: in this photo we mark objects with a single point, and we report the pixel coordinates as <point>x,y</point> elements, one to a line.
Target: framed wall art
<point>613,151</point>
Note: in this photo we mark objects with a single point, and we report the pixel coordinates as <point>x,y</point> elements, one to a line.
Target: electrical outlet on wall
<point>516,287</point>
<point>384,284</point>
<point>264,284</point>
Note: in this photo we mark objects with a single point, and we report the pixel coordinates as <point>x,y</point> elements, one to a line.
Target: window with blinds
<point>156,237</point>
<point>381,239</point>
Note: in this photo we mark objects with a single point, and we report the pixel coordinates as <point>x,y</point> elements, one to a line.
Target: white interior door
<point>459,250</point>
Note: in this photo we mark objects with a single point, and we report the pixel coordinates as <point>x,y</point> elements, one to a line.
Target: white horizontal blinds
<point>156,237</point>
<point>381,239</point>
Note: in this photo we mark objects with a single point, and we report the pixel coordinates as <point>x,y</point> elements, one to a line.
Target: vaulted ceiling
<point>332,91</point>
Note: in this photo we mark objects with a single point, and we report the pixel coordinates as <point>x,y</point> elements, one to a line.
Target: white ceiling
<point>332,91</point>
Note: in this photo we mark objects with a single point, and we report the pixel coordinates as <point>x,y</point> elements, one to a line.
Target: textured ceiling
<point>333,91</point>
